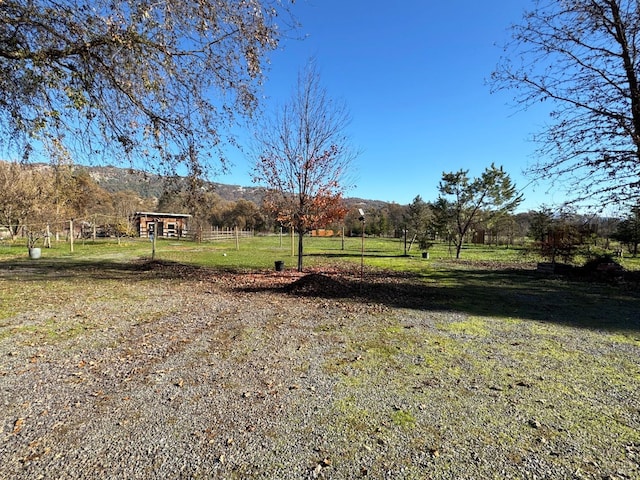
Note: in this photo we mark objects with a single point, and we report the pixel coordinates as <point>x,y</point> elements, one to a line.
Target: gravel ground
<point>269,376</point>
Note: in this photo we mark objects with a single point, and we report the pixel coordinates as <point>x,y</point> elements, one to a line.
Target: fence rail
<point>224,234</point>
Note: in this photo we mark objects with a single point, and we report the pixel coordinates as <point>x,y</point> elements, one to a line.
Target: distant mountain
<point>115,179</point>
<point>149,185</point>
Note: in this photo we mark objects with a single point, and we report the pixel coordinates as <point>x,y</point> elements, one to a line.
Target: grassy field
<point>487,280</point>
<point>261,251</point>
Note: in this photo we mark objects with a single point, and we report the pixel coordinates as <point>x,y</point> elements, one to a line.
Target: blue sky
<point>413,75</point>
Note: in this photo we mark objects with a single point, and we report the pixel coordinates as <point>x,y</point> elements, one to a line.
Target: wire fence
<point>103,226</point>
<point>98,225</point>
<point>216,234</point>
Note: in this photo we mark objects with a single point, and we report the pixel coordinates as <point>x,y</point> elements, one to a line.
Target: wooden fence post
<point>47,237</point>
<point>71,236</point>
<point>153,241</point>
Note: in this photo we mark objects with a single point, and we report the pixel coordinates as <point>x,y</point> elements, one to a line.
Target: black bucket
<point>279,265</point>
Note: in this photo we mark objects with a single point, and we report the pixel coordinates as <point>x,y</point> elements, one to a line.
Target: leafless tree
<point>304,156</point>
<point>582,57</point>
<point>24,196</point>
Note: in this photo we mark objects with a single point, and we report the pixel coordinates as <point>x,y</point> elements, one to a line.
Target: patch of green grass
<point>261,252</point>
<point>631,338</point>
<point>497,380</point>
<point>378,356</point>
<point>629,262</point>
<point>49,331</point>
<point>474,326</point>
<point>403,418</point>
<point>353,418</point>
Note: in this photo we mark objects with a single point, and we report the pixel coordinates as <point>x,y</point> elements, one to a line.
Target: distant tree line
<point>33,197</point>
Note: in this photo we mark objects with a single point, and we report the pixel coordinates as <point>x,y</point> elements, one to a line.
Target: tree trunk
<point>458,240</point>
<point>300,252</point>
<point>458,249</point>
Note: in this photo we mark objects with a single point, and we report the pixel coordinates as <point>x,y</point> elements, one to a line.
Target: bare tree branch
<point>134,79</point>
<point>303,156</point>
<point>582,56</point>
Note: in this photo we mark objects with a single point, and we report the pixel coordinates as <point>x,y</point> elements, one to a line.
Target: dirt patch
<point>317,284</point>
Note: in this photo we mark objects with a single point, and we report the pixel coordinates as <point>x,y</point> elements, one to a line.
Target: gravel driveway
<point>214,375</point>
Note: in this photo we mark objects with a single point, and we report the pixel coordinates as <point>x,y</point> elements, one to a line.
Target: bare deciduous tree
<point>24,196</point>
<point>304,156</point>
<point>582,57</point>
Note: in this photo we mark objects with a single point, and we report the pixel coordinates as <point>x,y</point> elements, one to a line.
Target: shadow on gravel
<point>27,271</point>
<point>498,293</point>
<point>522,294</point>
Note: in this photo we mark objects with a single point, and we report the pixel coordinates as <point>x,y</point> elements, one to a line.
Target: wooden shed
<point>167,225</point>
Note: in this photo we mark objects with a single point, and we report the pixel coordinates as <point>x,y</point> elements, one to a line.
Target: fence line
<point>84,227</point>
<point>216,233</point>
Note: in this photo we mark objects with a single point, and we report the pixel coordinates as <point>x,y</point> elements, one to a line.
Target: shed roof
<point>162,214</point>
